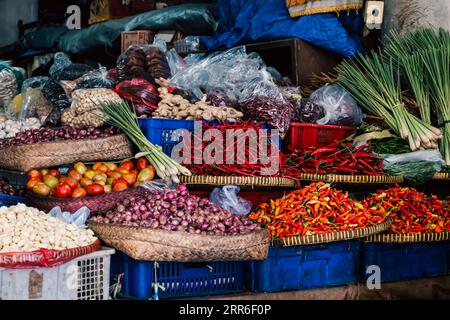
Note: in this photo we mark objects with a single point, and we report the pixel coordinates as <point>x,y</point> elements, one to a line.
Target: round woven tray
<point>334,178</point>
<point>44,258</point>
<point>52,154</point>
<point>331,237</point>
<point>238,181</point>
<point>160,245</point>
<point>96,204</point>
<point>442,176</point>
<point>408,238</point>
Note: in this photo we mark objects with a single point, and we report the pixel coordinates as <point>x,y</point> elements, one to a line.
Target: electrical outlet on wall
<point>373,14</point>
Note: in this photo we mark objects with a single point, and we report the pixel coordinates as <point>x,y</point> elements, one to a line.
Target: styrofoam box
<point>84,278</point>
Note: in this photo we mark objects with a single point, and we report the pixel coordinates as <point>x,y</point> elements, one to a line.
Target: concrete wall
<point>11,11</point>
<point>406,15</point>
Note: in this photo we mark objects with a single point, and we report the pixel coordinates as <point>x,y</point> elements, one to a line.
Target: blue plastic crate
<point>305,267</point>
<point>162,132</point>
<point>405,261</point>
<point>179,279</point>
<point>6,200</point>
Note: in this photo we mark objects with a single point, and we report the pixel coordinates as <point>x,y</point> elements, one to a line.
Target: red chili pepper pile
<point>411,211</point>
<point>247,157</point>
<point>315,209</point>
<point>338,158</point>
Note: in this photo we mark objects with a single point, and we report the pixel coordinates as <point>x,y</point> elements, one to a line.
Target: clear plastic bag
<point>157,186</point>
<point>175,61</point>
<point>74,71</point>
<point>34,104</point>
<point>56,95</point>
<point>96,79</point>
<point>340,108</point>
<point>264,101</point>
<point>78,218</point>
<point>227,199</point>
<point>61,61</point>
<point>416,167</point>
<point>307,112</point>
<point>11,79</point>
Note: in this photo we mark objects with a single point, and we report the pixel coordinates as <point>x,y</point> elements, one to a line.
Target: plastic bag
<point>34,104</point>
<point>78,218</point>
<point>74,71</point>
<point>227,198</point>
<point>141,93</point>
<point>265,102</point>
<point>56,95</point>
<point>159,185</point>
<point>61,61</point>
<point>96,79</point>
<point>175,61</point>
<point>307,112</point>
<point>340,108</point>
<point>416,167</point>
<point>11,79</point>
<point>53,119</point>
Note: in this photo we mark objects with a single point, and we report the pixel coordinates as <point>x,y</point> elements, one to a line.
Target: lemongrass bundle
<point>375,85</point>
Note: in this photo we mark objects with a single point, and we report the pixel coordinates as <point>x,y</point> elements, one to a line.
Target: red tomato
<point>129,165</point>
<point>55,173</point>
<point>34,175</point>
<point>75,175</point>
<point>119,180</point>
<point>72,183</point>
<point>95,189</point>
<point>79,193</point>
<point>63,191</point>
<point>31,183</point>
<point>130,179</point>
<point>120,187</point>
<point>142,163</point>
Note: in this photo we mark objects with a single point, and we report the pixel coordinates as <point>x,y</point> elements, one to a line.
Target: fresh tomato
<point>55,173</point>
<point>130,179</point>
<point>111,166</point>
<point>120,186</point>
<point>103,168</point>
<point>79,193</point>
<point>146,174</point>
<point>142,163</point>
<point>86,182</point>
<point>95,189</point>
<point>75,175</point>
<point>134,171</point>
<point>63,191</point>
<point>80,167</point>
<point>90,174</point>
<point>108,189</point>
<point>96,166</point>
<point>72,183</point>
<point>44,172</point>
<point>31,183</point>
<point>119,180</point>
<point>51,181</point>
<point>123,171</point>
<point>129,165</point>
<point>34,174</point>
<point>41,189</point>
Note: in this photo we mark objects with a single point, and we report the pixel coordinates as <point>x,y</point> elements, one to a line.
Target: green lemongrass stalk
<point>374,82</point>
<point>121,116</point>
<point>437,63</point>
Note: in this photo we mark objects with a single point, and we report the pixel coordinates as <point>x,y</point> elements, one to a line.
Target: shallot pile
<point>177,211</point>
<point>65,133</point>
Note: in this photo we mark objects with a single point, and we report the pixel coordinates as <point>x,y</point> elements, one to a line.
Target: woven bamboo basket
<point>333,178</point>
<point>52,154</point>
<point>331,237</point>
<point>239,181</point>
<point>408,238</point>
<point>442,176</point>
<point>160,245</point>
<point>96,204</point>
<point>44,258</point>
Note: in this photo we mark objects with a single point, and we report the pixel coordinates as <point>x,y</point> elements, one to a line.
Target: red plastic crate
<point>302,136</point>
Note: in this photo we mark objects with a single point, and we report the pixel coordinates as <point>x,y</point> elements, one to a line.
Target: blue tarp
<point>243,21</point>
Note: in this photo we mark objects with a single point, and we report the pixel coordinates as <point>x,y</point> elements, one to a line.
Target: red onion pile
<point>177,211</point>
<point>33,136</point>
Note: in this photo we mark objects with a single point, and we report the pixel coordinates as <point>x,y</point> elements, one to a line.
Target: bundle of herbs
<point>374,82</point>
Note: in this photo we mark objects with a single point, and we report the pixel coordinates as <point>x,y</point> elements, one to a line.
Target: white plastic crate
<point>84,278</point>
